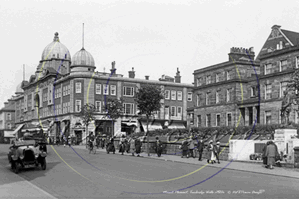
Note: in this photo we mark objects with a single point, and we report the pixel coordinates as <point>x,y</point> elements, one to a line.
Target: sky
<point>155,37</point>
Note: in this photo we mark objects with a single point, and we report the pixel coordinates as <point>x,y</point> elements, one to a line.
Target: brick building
<point>247,89</point>
<point>7,121</point>
<point>52,98</point>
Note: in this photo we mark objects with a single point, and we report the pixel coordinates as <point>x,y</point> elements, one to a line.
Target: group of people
<point>130,145</point>
<point>270,155</point>
<point>191,145</point>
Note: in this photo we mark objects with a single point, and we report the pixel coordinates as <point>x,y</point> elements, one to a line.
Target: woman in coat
<point>122,145</point>
<point>138,146</point>
<point>271,153</point>
<point>211,157</point>
<point>185,148</point>
<point>191,147</point>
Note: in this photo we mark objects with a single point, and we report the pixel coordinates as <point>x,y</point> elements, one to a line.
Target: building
<point>219,88</point>
<point>7,121</point>
<point>241,91</point>
<point>53,97</point>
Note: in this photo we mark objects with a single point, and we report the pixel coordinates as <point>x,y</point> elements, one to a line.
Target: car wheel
<point>43,164</point>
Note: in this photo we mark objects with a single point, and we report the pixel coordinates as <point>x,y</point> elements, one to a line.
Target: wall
<point>242,149</point>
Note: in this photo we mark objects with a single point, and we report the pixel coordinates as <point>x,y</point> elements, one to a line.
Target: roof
<point>292,36</point>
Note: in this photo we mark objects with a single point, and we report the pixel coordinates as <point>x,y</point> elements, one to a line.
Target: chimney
<point>178,77</point>
<point>275,27</point>
<point>113,69</point>
<point>241,54</point>
<point>147,77</point>
<point>131,74</point>
<point>5,104</point>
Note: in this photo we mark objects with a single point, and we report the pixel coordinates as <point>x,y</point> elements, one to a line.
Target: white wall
<point>242,149</point>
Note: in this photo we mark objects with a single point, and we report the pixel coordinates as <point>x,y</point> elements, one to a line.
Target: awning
<point>130,123</point>
<point>18,128</point>
<point>176,126</point>
<point>151,126</point>
<point>65,119</point>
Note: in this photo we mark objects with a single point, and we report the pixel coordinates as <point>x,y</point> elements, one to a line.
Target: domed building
<point>55,55</point>
<point>82,61</point>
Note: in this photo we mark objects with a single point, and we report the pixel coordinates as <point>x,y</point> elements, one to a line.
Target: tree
<point>113,108</point>
<point>148,99</point>
<point>87,115</point>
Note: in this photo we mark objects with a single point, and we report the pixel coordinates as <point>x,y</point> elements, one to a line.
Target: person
<point>90,143</point>
<point>132,145</point>
<point>211,157</point>
<point>264,156</point>
<point>122,145</point>
<point>191,147</point>
<point>127,145</point>
<point>69,141</point>
<point>217,151</point>
<point>138,146</point>
<point>158,147</point>
<point>98,142</point>
<point>271,153</point>
<point>185,148</point>
<point>200,147</point>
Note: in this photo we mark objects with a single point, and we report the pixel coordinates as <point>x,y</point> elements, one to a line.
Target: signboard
<point>281,138</point>
<point>9,134</point>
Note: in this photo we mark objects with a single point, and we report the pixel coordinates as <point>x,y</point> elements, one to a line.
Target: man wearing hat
<point>217,150</point>
<point>200,146</point>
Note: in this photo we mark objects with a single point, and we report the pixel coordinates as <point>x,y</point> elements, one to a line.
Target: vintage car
<point>26,154</point>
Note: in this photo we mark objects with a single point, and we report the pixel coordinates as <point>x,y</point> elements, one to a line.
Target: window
<point>198,120</point>
<point>206,99</point>
<point>78,105</point>
<point>208,120</point>
<point>268,91</point>
<point>279,117</point>
<point>296,116</point>
<point>113,89</point>
<point>268,69</point>
<point>283,65</point>
<point>217,77</point>
<point>167,110</point>
<point>297,62</point>
<point>217,97</point>
<point>208,79</point>
<point>218,120</point>
<point>268,117</point>
<point>78,87</point>
<point>128,108</point>
<point>167,94</point>
<point>173,111</point>
<point>173,95</point>
<point>128,91</point>
<point>98,106</point>
<point>179,95</point>
<point>282,88</point>
<point>228,95</point>
<point>179,111</point>
<point>105,89</point>
<point>190,97</point>
<point>198,99</point>
<point>8,116</point>
<point>64,91</point>
<point>98,89</point>
<point>191,115</point>
<point>253,91</point>
<point>9,125</point>
<point>69,88</point>
<point>199,81</point>
<point>228,121</point>
<point>227,75</point>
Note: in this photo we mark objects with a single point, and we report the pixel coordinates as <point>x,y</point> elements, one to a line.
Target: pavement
<point>231,165</point>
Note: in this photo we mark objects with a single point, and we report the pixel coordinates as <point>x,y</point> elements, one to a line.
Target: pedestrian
<point>217,151</point>
<point>271,154</point>
<point>158,147</point>
<point>185,148</point>
<point>69,141</point>
<point>191,147</point>
<point>132,146</point>
<point>211,154</point>
<point>127,145</point>
<point>121,145</point>
<point>200,147</point>
<point>138,146</point>
<point>264,156</point>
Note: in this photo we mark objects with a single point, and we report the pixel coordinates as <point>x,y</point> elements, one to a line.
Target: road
<point>74,173</point>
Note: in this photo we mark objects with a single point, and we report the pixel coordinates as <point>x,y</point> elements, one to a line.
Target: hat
<point>218,142</point>
<point>210,141</point>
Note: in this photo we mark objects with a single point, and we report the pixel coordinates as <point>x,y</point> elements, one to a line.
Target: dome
<point>83,58</point>
<point>19,88</point>
<point>56,50</point>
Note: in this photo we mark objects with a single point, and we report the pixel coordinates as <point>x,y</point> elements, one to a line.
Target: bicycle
<point>92,149</point>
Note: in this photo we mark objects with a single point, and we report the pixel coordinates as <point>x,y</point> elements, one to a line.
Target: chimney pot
<point>147,77</point>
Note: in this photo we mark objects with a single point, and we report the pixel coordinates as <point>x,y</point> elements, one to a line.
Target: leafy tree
<point>148,99</point>
<point>87,115</point>
<point>113,108</point>
<point>293,87</point>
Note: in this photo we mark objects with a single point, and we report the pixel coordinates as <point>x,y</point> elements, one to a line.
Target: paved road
<point>103,175</point>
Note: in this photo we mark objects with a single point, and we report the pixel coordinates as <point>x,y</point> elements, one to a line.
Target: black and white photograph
<point>149,99</point>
